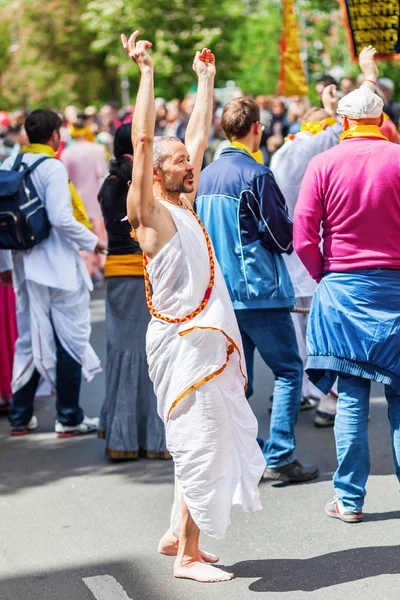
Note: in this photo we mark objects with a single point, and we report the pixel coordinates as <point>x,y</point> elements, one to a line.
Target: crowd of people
<point>281,117</point>
<point>187,210</point>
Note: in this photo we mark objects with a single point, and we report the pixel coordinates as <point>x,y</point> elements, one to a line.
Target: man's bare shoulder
<point>159,227</point>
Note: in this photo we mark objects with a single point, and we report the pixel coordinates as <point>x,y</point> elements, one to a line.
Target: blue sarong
<point>354,328</point>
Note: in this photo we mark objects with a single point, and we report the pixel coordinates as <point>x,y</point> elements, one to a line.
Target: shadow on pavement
<point>387,516</point>
<point>308,575</point>
<point>67,584</point>
<point>323,476</point>
<point>41,459</point>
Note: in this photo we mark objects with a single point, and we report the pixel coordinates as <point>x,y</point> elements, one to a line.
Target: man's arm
<point>268,206</point>
<point>141,203</point>
<point>368,66</point>
<point>321,142</point>
<point>307,224</point>
<point>199,126</point>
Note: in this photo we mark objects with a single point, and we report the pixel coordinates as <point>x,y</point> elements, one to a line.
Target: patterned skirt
<point>129,422</point>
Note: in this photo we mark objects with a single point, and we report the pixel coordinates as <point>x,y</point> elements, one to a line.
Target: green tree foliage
<point>258,46</point>
<point>5,43</point>
<point>68,51</point>
<point>48,57</point>
<point>177,29</point>
<point>324,41</point>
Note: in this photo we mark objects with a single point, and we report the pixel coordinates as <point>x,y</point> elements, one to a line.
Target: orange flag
<point>292,79</point>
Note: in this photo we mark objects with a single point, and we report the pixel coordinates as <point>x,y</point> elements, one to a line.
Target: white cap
<point>386,83</point>
<point>363,103</point>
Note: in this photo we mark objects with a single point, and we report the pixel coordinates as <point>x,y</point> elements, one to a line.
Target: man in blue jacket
<point>245,214</point>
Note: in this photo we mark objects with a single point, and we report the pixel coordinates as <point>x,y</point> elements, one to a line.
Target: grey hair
<point>159,153</point>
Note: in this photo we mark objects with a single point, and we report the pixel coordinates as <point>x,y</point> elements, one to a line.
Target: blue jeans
<point>272,333</point>
<point>68,373</point>
<point>351,434</point>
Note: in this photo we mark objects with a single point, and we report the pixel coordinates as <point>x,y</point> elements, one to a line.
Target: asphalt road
<point>76,527</point>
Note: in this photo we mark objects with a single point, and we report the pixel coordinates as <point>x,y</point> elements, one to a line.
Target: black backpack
<point>23,217</point>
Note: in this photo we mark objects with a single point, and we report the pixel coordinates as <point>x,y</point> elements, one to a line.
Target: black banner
<point>375,23</point>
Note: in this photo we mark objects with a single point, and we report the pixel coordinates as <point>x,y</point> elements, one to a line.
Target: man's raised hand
<point>137,51</point>
<point>330,99</point>
<point>204,62</point>
<point>367,63</point>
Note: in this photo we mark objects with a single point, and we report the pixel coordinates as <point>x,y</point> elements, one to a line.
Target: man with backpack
<point>40,241</point>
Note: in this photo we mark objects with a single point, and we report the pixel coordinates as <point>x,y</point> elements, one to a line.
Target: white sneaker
<point>33,423</point>
<point>88,425</point>
<point>25,429</point>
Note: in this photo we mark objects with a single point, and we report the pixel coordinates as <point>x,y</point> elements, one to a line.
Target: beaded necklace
<point>207,295</point>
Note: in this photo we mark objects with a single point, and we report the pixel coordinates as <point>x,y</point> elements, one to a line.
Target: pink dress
<point>8,336</point>
<point>87,168</point>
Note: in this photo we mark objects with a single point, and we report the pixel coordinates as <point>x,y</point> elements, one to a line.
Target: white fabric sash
<point>183,356</point>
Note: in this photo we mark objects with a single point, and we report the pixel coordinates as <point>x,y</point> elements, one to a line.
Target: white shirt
<point>288,165</point>
<point>56,261</point>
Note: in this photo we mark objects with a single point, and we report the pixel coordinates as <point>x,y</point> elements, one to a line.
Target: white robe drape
<point>41,311</point>
<point>198,372</point>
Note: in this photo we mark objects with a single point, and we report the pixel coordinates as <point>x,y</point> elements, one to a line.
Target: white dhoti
<point>41,312</point>
<point>198,372</point>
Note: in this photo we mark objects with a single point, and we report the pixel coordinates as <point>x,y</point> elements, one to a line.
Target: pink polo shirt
<point>87,168</point>
<point>352,191</point>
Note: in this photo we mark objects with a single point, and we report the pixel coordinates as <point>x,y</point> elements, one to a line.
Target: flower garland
<point>207,295</point>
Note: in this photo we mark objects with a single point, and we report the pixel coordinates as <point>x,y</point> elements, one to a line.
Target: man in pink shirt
<point>352,191</point>
<point>87,167</point>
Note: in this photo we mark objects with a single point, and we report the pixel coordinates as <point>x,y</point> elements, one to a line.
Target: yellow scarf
<point>86,132</point>
<point>258,156</point>
<point>78,207</point>
<point>315,127</point>
<point>363,131</point>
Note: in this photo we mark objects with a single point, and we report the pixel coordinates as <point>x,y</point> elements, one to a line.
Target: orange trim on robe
<point>209,289</point>
<point>231,348</point>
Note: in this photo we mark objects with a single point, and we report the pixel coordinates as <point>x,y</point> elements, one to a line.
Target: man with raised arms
<point>194,346</point>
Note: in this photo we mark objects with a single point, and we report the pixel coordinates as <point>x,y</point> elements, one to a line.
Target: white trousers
<point>41,311</point>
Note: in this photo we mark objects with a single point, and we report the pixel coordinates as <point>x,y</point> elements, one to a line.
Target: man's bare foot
<point>200,571</point>
<point>169,547</point>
